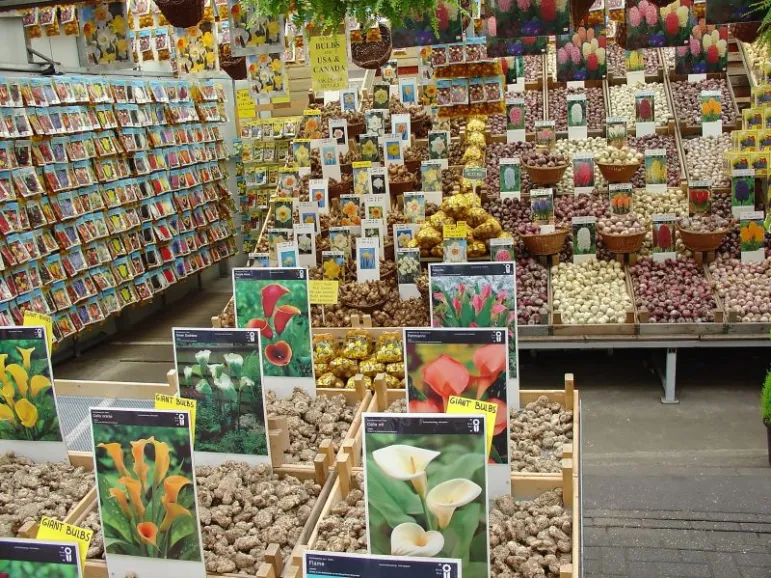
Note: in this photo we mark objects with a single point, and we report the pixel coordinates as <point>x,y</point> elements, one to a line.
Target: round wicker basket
<point>701,241</point>
<point>181,13</point>
<point>374,64</point>
<point>623,243</point>
<point>354,130</point>
<point>397,189</point>
<point>545,175</point>
<point>340,188</point>
<point>618,173</point>
<point>545,243</point>
<point>364,308</point>
<point>235,66</point>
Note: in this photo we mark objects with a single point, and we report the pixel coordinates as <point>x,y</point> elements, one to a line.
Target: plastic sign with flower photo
<point>426,488</point>
<point>370,148</point>
<point>27,401</point>
<point>710,106</point>
<point>147,501</point>
<point>282,213</point>
<point>333,265</point>
<point>51,558</point>
<point>251,33</point>
<point>581,55</point>
<point>422,29</point>
<point>414,207</point>
<point>196,48</point>
<point>275,301</point>
<point>266,73</point>
<point>105,34</point>
<point>648,25</point>
<point>751,235</point>
<point>706,52</point>
<point>222,371</point>
<point>523,18</point>
<point>470,363</point>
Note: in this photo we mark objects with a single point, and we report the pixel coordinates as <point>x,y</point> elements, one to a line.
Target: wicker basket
<point>419,128</point>
<point>397,189</point>
<point>623,243</point>
<point>364,308</point>
<point>181,13</point>
<point>545,175</point>
<point>413,166</point>
<point>545,243</point>
<point>354,130</point>
<point>701,241</point>
<point>340,188</point>
<point>375,64</point>
<point>234,66</point>
<point>618,173</point>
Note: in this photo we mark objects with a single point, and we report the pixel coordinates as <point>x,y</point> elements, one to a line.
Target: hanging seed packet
<point>583,173</point>
<point>752,235</point>
<point>486,293</point>
<point>699,197</point>
<point>476,362</point>
<point>40,558</point>
<point>663,237</point>
<point>656,170</point>
<point>577,127</point>
<point>644,113</point>
<point>339,565</point>
<point>584,239</point>
<point>275,301</point>
<point>221,369</point>
<point>432,471</point>
<point>742,192</point>
<point>30,420</point>
<point>250,33</point>
<point>147,506</point>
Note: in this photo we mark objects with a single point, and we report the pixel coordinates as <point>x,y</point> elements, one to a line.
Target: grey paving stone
<point>595,552</point>
<point>722,564</point>
<point>754,559</point>
<point>615,562</point>
<point>762,528</point>
<point>755,572</point>
<point>635,537</point>
<point>669,569</point>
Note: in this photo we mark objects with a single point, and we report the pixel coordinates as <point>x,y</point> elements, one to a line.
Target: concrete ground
<point>669,490</point>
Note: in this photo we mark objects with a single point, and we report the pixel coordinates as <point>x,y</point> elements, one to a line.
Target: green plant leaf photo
<point>426,488</point>
<point>221,369</point>
<point>144,472</point>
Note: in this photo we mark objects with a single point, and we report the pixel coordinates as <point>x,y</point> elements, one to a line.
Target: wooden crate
<point>689,130</point>
<point>735,326</point>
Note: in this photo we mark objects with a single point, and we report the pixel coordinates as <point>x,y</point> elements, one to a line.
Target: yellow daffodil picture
<point>27,403</point>
<point>144,473</point>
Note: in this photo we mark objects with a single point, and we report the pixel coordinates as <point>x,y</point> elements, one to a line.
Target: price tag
<point>171,402</point>
<point>489,410</point>
<point>53,530</point>
<point>35,319</point>
<point>323,292</point>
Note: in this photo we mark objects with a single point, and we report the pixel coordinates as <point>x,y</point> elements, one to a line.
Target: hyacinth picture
<point>583,173</point>
<point>498,47</point>
<point>742,193</point>
<point>585,238</point>
<point>577,112</point>
<point>523,18</point>
<point>651,26</point>
<point>449,363</point>
<point>706,52</point>
<point>581,55</point>
<point>144,474</point>
<point>515,115</point>
<point>664,237</point>
<point>418,30</point>
<point>644,110</point>
<point>426,488</point>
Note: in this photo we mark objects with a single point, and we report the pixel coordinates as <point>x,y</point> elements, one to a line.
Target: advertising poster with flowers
<point>706,52</point>
<point>425,481</point>
<point>477,295</point>
<point>523,18</point>
<point>418,30</point>
<point>105,39</point>
<point>650,26</point>
<point>221,369</point>
<point>29,421</point>
<point>275,301</point>
<point>253,34</point>
<point>581,55</point>
<point>467,363</point>
<point>143,460</point>
<point>197,48</point>
<point>266,73</point>
<point>339,565</point>
<point>498,47</point>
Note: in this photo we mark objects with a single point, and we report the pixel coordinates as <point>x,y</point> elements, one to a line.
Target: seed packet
<point>459,91</point>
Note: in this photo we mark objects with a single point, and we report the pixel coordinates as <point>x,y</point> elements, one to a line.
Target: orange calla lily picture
<point>144,471</point>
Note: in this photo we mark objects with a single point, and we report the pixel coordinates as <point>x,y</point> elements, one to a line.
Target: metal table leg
<point>668,379</point>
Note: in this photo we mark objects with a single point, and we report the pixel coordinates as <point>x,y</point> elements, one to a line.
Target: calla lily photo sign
<point>221,369</point>
<point>443,363</point>
<point>38,558</point>
<point>275,302</point>
<point>478,295</point>
<point>29,421</point>
<point>345,565</point>
<point>426,493</point>
<point>143,460</point>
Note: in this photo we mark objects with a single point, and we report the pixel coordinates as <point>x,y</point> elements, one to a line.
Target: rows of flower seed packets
<point>152,209</point>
